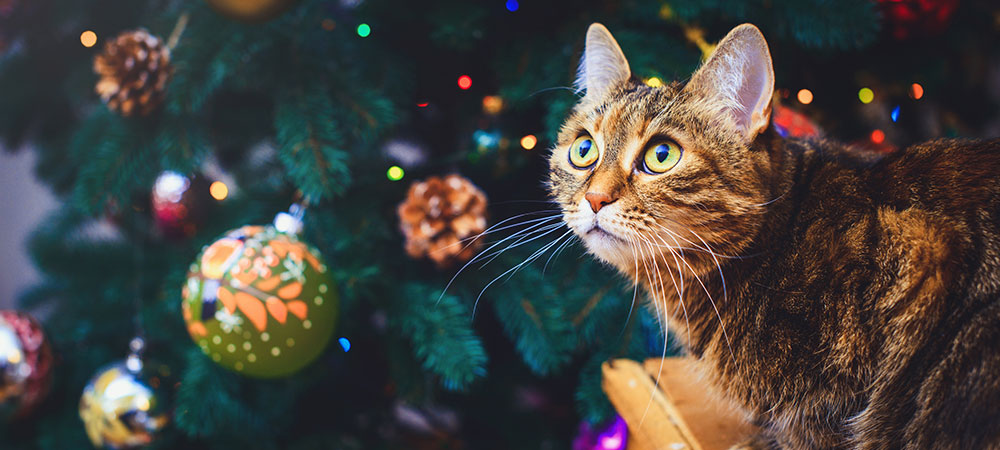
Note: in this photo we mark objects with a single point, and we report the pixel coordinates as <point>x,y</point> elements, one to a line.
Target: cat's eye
<point>583,153</point>
<point>661,157</point>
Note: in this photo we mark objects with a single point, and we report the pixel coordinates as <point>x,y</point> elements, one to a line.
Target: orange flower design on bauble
<point>260,302</point>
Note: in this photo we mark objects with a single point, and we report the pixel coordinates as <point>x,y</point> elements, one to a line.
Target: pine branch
<point>817,24</point>
<point>118,160</point>
<point>309,142</point>
<point>441,334</point>
<point>537,316</point>
<point>203,62</point>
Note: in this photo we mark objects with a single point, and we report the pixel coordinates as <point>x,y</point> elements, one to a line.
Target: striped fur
<point>848,301</point>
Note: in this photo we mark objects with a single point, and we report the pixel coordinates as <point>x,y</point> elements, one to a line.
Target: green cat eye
<point>583,153</point>
<point>661,157</point>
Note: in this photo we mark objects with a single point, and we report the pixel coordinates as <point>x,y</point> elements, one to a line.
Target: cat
<point>841,301</point>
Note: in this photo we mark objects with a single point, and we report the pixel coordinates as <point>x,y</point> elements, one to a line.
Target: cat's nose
<point>598,200</point>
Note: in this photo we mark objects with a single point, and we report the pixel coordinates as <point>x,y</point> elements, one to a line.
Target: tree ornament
<point>180,203</point>
<point>259,301</point>
<point>611,436</point>
<point>253,11</point>
<point>124,405</point>
<point>906,18</point>
<point>134,70</point>
<point>25,364</point>
<point>791,123</point>
<point>438,217</point>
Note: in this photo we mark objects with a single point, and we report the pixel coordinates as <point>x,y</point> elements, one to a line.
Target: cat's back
<point>946,176</point>
<point>938,209</point>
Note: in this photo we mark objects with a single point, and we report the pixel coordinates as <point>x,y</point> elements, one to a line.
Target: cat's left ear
<point>739,78</point>
<point>603,65</point>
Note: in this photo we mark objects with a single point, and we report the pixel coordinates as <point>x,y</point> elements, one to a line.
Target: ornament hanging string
<point>179,27</point>
<point>138,342</point>
<point>694,34</point>
<point>291,222</point>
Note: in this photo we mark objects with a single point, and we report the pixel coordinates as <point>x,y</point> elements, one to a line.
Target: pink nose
<point>598,200</point>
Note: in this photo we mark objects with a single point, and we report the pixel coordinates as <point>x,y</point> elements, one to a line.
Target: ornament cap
<point>134,360</point>
<point>290,222</point>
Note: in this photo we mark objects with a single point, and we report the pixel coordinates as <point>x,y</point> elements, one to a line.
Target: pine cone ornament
<point>134,70</point>
<point>439,214</point>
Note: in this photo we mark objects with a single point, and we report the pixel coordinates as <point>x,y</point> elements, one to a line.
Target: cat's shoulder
<point>945,153</point>
<point>830,152</point>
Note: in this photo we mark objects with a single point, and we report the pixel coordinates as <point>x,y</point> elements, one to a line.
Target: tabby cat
<point>841,301</point>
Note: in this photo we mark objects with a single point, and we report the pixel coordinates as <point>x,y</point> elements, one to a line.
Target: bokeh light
<point>805,96</point>
<point>345,344</point>
<point>512,5</point>
<point>866,95</point>
<point>219,190</point>
<point>916,91</point>
<point>492,104</point>
<point>422,104</point>
<point>895,114</point>
<point>529,142</point>
<point>654,82</point>
<point>878,136</point>
<point>328,24</point>
<point>464,82</point>
<point>395,173</point>
<point>170,186</point>
<point>364,30</point>
<point>88,38</point>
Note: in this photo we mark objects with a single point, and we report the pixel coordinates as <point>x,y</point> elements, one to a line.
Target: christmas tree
<point>164,124</point>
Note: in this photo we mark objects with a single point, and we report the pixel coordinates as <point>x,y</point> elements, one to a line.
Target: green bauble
<point>260,302</point>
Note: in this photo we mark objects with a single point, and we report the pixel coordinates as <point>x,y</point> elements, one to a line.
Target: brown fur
<point>861,306</point>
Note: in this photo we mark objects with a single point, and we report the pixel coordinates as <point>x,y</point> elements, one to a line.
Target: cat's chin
<point>609,248</point>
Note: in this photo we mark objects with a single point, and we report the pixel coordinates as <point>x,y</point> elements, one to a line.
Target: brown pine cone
<point>438,217</point>
<point>134,70</point>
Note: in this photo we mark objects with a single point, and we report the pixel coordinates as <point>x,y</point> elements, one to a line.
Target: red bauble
<point>791,123</point>
<point>180,203</point>
<point>906,18</point>
<point>25,364</point>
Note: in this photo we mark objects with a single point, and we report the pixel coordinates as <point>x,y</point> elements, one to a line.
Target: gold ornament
<point>122,407</point>
<point>253,11</point>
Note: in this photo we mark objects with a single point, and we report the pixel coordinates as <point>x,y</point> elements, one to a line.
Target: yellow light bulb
<point>529,142</point>
<point>219,190</point>
<point>88,38</point>
<point>866,95</point>
<point>805,96</point>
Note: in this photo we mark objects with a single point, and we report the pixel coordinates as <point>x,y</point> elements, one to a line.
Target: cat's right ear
<point>603,65</point>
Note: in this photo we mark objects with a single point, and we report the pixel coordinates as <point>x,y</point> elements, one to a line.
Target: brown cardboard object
<point>678,414</point>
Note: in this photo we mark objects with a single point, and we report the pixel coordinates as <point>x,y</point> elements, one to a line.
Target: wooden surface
<point>677,413</point>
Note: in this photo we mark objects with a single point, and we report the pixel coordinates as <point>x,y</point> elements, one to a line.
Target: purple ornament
<point>613,436</point>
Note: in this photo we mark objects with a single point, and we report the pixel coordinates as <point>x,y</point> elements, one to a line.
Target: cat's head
<point>640,170</point>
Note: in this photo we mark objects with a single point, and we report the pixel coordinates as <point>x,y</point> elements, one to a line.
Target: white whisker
<point>541,224</point>
<point>527,260</point>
